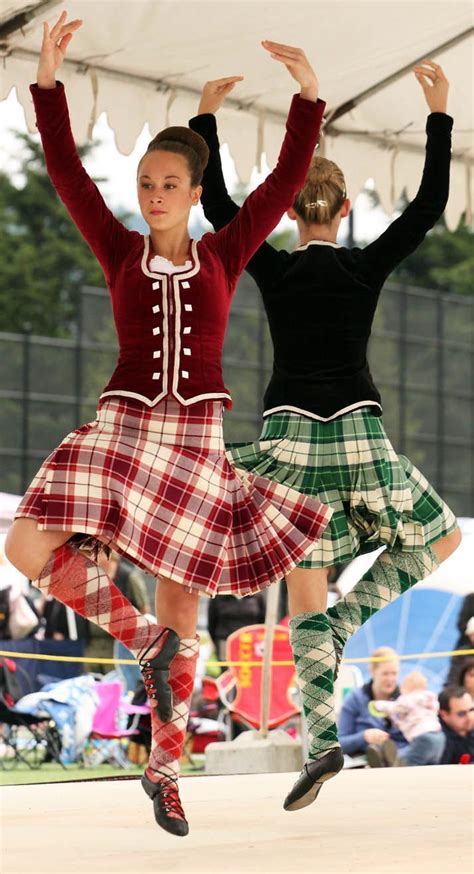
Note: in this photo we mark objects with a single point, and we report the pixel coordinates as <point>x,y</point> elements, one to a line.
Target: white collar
<point>158,264</point>
<point>318,243</point>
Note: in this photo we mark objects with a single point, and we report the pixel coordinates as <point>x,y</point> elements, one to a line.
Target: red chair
<point>240,687</point>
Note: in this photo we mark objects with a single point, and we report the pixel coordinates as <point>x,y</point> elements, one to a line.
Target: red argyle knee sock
<point>80,583</point>
<point>168,737</point>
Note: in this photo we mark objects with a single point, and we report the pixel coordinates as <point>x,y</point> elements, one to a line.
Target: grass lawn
<point>50,772</point>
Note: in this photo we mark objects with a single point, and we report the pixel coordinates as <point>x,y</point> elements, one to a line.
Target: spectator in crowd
<point>465,676</point>
<point>358,728</point>
<point>18,612</point>
<point>61,623</point>
<point>466,613</point>
<point>227,613</point>
<point>455,710</point>
<point>415,713</point>
<point>457,662</point>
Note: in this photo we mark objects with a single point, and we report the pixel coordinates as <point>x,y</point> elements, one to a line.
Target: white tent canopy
<point>145,61</point>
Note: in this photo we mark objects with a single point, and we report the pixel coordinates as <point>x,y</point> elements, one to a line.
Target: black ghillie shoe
<point>169,813</point>
<point>312,777</point>
<point>155,670</point>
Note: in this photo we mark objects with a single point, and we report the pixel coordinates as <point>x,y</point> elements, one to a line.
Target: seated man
<point>455,711</point>
<point>358,729</point>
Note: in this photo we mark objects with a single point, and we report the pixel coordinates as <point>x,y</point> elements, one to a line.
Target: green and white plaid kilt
<point>378,497</point>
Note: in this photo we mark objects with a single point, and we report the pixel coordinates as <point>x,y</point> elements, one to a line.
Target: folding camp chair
<point>107,729</point>
<point>105,725</point>
<point>28,738</point>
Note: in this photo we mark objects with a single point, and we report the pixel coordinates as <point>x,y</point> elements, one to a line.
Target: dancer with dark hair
<point>149,477</point>
<point>323,432</point>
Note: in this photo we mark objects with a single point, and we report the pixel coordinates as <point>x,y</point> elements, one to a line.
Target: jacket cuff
<point>439,122</point>
<point>312,111</point>
<point>48,102</point>
<point>204,124</point>
<point>46,94</point>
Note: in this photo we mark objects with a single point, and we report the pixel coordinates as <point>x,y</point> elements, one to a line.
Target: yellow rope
<point>12,654</point>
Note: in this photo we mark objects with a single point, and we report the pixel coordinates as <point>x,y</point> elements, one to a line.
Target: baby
<point>415,713</point>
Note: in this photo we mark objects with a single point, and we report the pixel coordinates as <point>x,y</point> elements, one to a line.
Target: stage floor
<point>400,820</point>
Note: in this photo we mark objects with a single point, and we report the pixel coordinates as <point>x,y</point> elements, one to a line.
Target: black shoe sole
<point>177,827</point>
<point>312,793</point>
<point>335,764</point>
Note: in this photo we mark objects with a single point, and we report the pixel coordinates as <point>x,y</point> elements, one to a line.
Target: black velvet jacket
<point>321,299</point>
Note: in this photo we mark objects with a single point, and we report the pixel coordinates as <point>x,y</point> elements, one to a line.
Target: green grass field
<point>50,772</point>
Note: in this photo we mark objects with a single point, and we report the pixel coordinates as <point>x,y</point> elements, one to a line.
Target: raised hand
<point>53,49</point>
<point>434,83</point>
<point>215,92</point>
<point>297,65</point>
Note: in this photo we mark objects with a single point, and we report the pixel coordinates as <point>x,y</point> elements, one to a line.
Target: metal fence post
<point>402,372</point>
<point>25,410</point>
<point>440,394</point>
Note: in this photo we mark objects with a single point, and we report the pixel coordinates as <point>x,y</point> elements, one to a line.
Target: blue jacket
<point>355,718</point>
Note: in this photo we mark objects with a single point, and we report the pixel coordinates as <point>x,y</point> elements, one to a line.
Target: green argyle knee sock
<point>392,574</point>
<point>313,652</point>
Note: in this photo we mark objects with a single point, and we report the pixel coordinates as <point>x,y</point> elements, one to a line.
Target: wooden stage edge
<point>386,821</point>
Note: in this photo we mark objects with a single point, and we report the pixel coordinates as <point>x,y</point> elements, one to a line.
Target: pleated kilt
<point>155,484</point>
<point>379,498</point>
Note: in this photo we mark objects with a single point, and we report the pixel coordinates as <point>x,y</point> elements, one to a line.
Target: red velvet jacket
<point>171,328</point>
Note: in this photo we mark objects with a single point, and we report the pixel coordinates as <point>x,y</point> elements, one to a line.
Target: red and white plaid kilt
<point>154,483</point>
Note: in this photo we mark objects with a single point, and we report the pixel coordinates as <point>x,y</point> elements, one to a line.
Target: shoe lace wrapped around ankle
<point>169,798</point>
<point>148,678</point>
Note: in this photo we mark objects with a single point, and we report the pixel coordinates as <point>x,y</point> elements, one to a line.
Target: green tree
<point>443,262</point>
<point>43,259</point>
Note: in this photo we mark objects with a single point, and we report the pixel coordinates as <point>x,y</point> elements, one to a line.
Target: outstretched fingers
<point>215,91</point>
<point>429,70</point>
<point>434,84</point>
<point>280,48</point>
<point>297,65</point>
<point>62,29</point>
<point>227,80</point>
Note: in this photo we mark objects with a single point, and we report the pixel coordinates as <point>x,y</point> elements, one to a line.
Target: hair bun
<point>183,135</point>
<point>321,171</point>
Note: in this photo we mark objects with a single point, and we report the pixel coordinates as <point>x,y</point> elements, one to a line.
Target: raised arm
<point>406,233</point>
<point>104,234</point>
<point>262,210</point>
<point>219,208</point>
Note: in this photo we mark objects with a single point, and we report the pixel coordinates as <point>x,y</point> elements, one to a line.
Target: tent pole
<point>349,105</point>
<point>270,622</point>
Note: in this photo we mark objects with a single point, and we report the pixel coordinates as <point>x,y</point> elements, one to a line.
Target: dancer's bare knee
<point>29,549</point>
<point>447,545</point>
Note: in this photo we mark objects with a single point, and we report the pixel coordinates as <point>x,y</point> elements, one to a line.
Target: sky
<point>119,189</point>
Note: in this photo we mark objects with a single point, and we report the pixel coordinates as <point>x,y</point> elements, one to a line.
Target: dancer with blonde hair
<point>323,431</point>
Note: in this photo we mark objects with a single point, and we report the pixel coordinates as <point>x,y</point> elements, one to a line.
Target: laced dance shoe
<point>311,779</point>
<point>154,664</point>
<point>167,807</point>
